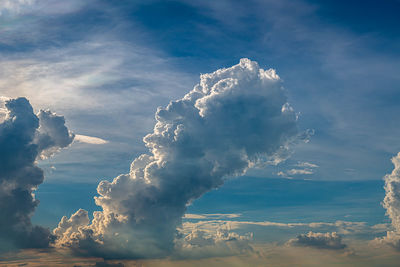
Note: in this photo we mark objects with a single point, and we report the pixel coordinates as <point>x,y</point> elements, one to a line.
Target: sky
<point>174,105</point>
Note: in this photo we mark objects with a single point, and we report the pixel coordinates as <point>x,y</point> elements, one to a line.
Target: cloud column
<point>233,119</point>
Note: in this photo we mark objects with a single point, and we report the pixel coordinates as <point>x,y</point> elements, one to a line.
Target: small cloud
<point>299,171</point>
<point>318,240</point>
<point>301,168</point>
<point>287,174</point>
<point>90,140</point>
<point>307,164</point>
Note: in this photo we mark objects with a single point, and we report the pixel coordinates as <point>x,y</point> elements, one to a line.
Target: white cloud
<point>89,139</point>
<point>231,119</point>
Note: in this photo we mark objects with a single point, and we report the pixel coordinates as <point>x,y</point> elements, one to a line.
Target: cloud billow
<point>232,120</point>
<point>24,138</point>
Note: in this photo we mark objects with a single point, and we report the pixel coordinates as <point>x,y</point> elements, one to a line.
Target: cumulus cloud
<point>318,240</point>
<point>232,120</point>
<point>391,203</point>
<point>24,138</point>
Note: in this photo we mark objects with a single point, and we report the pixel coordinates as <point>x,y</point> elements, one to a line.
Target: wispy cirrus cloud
<point>301,168</point>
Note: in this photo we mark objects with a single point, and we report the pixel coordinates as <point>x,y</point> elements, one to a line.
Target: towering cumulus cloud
<point>392,204</point>
<point>232,120</point>
<point>25,137</point>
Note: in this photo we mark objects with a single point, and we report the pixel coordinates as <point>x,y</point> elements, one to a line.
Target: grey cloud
<point>318,240</point>
<point>229,122</point>
<point>24,136</point>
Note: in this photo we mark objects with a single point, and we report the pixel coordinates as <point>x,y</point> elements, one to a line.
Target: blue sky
<point>107,65</point>
<point>340,70</point>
